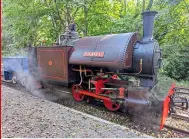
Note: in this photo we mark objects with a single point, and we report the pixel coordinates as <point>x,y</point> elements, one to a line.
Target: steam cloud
<point>27,79</point>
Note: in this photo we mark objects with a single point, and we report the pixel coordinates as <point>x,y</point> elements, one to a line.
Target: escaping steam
<point>18,65</point>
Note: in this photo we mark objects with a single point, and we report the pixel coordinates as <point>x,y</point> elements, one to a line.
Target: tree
<point>32,21</point>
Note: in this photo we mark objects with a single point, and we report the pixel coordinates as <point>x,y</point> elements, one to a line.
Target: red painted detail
<point>75,93</point>
<point>121,92</point>
<point>63,54</point>
<point>50,63</point>
<point>114,76</point>
<point>86,61</point>
<point>38,85</point>
<point>93,54</point>
<point>92,94</point>
<point>166,106</point>
<point>112,106</point>
<point>99,84</point>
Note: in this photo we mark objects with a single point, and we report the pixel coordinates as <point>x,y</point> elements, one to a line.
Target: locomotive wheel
<point>24,81</point>
<point>112,106</point>
<point>78,97</point>
<point>14,79</point>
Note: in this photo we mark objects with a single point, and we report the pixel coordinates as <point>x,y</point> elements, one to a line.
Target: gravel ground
<point>26,116</point>
<point>134,123</point>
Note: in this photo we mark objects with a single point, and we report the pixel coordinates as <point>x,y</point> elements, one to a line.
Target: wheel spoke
<point>112,106</point>
<point>76,95</point>
<point>14,79</point>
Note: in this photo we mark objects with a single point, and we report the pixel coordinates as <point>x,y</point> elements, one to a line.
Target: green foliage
<point>165,82</point>
<point>176,67</point>
<point>172,32</point>
<point>31,21</point>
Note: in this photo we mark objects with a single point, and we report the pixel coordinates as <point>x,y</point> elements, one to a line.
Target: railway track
<point>165,126</point>
<point>10,84</point>
<point>181,90</point>
<point>100,107</point>
<point>177,130</point>
<point>176,116</point>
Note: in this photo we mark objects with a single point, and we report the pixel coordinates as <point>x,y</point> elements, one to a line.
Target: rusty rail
<point>181,90</point>
<point>177,129</point>
<point>180,117</point>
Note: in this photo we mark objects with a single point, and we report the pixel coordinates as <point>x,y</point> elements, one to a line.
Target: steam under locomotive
<point>118,69</point>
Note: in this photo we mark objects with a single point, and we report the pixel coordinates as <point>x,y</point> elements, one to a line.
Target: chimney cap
<point>149,13</point>
<point>148,25</point>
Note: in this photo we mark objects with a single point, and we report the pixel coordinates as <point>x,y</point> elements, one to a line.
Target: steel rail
<point>181,90</point>
<point>180,117</point>
<point>177,129</point>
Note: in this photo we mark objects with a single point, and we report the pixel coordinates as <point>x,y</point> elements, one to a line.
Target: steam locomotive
<point>118,69</point>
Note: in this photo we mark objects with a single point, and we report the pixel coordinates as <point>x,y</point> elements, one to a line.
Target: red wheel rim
<point>75,94</point>
<point>112,106</point>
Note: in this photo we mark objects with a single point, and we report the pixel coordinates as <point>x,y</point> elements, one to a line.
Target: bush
<point>177,67</point>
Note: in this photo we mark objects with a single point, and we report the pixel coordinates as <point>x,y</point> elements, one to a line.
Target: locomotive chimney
<point>148,25</point>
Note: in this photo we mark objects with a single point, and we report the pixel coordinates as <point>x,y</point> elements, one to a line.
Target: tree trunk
<point>59,16</point>
<point>149,5</point>
<point>85,19</point>
<point>187,7</point>
<point>143,5</point>
<point>137,9</point>
<point>125,7</point>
